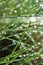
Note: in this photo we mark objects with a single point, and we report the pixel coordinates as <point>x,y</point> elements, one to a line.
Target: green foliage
<point>21,36</point>
<point>21,42</point>
<point>21,8</point>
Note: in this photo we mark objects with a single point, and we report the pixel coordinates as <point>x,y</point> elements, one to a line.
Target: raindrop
<point>39,43</point>
<point>31,54</point>
<point>6,8</point>
<point>14,42</point>
<point>41,5</point>
<point>27,54</point>
<point>37,0</point>
<point>35,31</point>
<point>35,26</point>
<point>37,57</point>
<point>24,55</point>
<point>26,0</point>
<point>20,27</point>
<point>33,46</point>
<point>25,10</point>
<point>12,24</point>
<point>41,56</point>
<point>15,11</point>
<point>18,5</point>
<point>20,56</point>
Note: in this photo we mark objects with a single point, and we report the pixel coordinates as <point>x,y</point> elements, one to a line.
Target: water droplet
<point>35,26</point>
<point>24,55</point>
<point>26,0</point>
<point>18,5</point>
<point>39,43</point>
<point>41,5</point>
<point>20,56</point>
<point>25,10</point>
<point>37,0</point>
<point>6,8</point>
<point>14,42</point>
<point>15,11</point>
<point>37,57</point>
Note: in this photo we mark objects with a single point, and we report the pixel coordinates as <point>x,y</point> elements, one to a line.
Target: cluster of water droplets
<point>20,7</point>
